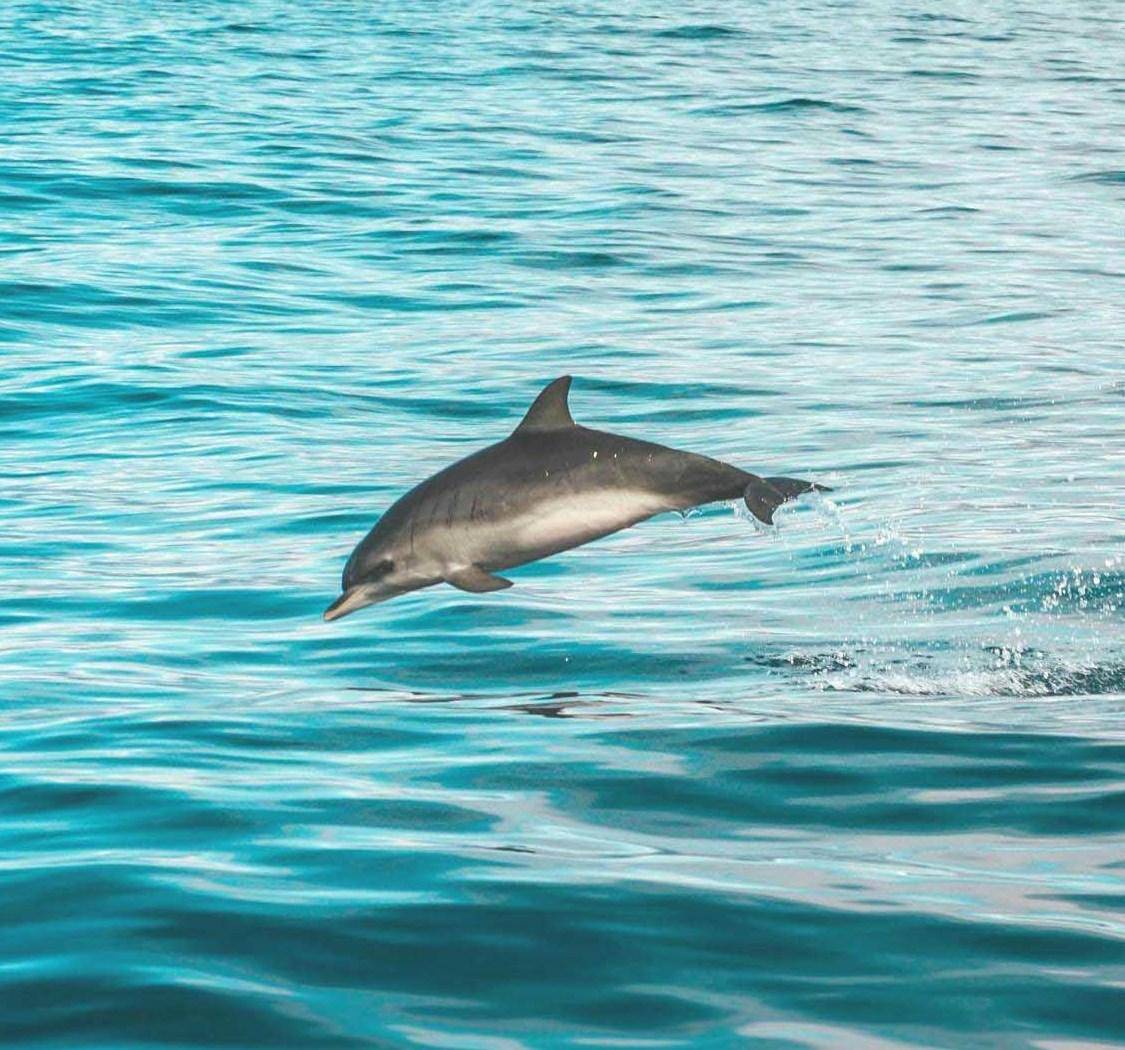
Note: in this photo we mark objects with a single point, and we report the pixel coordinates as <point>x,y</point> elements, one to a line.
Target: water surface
<point>857,781</point>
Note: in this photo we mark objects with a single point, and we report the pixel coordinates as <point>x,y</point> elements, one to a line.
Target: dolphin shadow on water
<point>549,486</point>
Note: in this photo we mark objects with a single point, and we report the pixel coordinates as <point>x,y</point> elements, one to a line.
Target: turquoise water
<point>858,781</point>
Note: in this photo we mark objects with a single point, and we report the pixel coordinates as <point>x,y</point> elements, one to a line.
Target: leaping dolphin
<point>549,486</point>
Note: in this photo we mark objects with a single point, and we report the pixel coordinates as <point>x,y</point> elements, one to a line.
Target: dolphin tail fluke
<point>791,488</point>
<point>764,495</point>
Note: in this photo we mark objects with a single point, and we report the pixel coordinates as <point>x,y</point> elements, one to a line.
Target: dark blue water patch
<point>271,266</point>
<point>70,303</point>
<point>332,205</point>
<point>950,211</point>
<point>163,817</point>
<point>151,162</point>
<point>877,466</point>
<point>854,162</point>
<point>247,27</point>
<point>114,1011</point>
<point>699,31</point>
<point>227,198</point>
<point>83,397</point>
<point>485,947</point>
<point>461,958</point>
<point>678,415</point>
<point>221,736</point>
<point>652,390</point>
<point>448,408</point>
<point>483,241</point>
<point>752,778</point>
<point>716,306</point>
<point>1016,317</point>
<point>1107,901</point>
<point>198,603</point>
<point>418,661</point>
<point>217,352</point>
<point>466,614</point>
<point>22,201</point>
<point>389,815</point>
<point>408,304</point>
<point>1108,178</point>
<point>990,403</point>
<point>560,260</point>
<point>796,105</point>
<point>332,521</point>
<point>1052,592</point>
<point>77,305</point>
<point>928,16</point>
<point>678,269</point>
<point>943,74</point>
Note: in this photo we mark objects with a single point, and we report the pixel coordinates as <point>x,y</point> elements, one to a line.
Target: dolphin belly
<point>571,520</point>
<point>539,525</point>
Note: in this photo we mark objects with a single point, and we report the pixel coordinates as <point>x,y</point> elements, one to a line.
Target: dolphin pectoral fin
<point>475,580</point>
<point>764,495</point>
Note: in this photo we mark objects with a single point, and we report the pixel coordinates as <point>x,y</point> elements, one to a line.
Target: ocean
<point>857,780</point>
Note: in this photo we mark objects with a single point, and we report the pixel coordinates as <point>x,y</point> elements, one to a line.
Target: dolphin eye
<point>356,572</point>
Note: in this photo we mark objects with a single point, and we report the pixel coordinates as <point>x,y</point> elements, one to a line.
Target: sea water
<point>856,781</point>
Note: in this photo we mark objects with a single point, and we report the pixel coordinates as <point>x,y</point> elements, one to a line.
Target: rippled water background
<point>857,782</point>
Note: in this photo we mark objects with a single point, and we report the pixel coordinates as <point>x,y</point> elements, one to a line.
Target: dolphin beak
<point>352,599</point>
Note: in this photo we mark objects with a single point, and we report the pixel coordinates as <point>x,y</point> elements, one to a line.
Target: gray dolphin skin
<point>549,486</point>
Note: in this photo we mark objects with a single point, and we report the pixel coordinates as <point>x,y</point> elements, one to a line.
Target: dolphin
<point>549,486</point>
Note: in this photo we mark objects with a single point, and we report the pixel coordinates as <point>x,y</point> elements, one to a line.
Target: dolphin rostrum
<point>549,486</point>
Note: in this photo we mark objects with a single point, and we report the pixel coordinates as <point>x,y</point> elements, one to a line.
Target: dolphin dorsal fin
<point>549,411</point>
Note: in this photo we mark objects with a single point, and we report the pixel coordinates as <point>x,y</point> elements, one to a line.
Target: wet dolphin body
<point>549,486</point>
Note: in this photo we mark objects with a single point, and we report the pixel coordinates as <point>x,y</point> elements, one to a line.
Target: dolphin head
<point>375,572</point>
<point>364,592</point>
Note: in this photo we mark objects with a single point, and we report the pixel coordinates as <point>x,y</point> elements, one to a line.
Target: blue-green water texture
<point>854,781</point>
